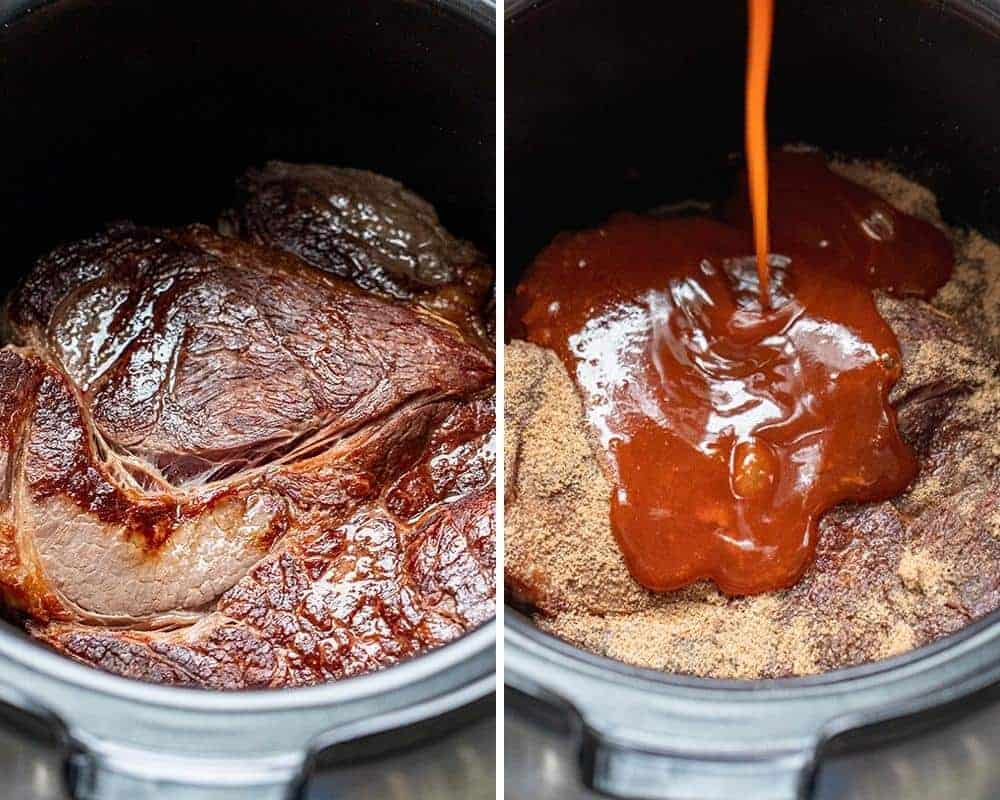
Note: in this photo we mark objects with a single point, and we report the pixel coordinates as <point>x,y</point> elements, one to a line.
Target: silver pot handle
<point>99,771</point>
<point>626,773</point>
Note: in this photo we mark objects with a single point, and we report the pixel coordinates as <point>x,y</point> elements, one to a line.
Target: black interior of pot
<point>615,106</point>
<point>149,110</point>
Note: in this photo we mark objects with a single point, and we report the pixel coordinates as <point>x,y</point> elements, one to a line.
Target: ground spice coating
<point>888,576</point>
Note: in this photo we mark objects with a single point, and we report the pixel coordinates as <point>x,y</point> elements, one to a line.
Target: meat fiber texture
<point>226,468</point>
<point>368,229</point>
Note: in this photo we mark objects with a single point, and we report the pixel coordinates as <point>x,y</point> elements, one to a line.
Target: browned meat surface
<point>888,576</point>
<point>225,468</point>
<point>367,229</point>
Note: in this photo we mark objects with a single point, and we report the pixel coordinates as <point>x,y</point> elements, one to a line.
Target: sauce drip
<point>727,426</point>
<point>761,18</point>
<point>893,251</point>
<point>816,211</point>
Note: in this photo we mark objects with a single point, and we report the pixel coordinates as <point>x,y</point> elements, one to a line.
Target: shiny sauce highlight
<point>728,426</point>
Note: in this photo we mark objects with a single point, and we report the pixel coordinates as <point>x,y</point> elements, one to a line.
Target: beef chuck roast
<point>365,228</point>
<point>226,468</point>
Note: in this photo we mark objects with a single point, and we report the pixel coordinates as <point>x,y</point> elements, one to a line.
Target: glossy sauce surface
<point>877,245</point>
<point>729,428</point>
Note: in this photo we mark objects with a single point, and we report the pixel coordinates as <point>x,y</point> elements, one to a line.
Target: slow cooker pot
<point>148,111</point>
<point>616,106</point>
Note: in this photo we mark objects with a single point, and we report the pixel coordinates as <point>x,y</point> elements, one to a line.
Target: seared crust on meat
<point>226,468</point>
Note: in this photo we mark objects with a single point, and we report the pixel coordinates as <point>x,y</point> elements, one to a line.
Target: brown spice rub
<point>973,293</point>
<point>887,577</point>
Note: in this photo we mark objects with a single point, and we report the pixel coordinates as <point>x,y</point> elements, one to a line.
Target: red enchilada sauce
<point>728,424</point>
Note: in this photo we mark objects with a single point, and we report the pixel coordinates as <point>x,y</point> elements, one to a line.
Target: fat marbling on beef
<point>227,468</point>
<point>368,229</point>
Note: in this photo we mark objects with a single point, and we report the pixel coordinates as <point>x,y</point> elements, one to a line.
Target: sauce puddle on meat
<point>738,389</point>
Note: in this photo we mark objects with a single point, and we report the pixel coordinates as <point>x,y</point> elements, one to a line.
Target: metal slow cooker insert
<point>148,111</point>
<point>616,106</point>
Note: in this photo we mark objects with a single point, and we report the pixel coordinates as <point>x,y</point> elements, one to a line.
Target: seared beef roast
<point>365,228</point>
<point>226,468</point>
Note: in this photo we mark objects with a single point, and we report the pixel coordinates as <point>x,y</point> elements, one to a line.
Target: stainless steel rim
<point>643,734</point>
<point>16,649</point>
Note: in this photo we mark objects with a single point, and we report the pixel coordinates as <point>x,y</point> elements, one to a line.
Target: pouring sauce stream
<point>761,25</point>
<point>736,378</point>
